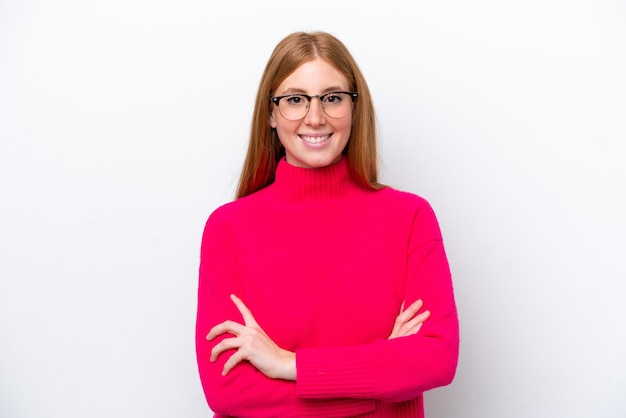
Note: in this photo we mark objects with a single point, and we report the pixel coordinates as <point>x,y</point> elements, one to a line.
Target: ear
<point>272,120</point>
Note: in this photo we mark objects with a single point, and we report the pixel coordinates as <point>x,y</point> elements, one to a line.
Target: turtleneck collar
<point>313,185</point>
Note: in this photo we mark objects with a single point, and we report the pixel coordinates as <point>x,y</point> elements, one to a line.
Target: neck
<point>313,185</point>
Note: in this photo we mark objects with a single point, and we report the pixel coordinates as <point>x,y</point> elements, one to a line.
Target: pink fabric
<point>324,266</point>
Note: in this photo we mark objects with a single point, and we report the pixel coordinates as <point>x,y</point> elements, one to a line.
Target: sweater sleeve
<point>244,392</point>
<point>402,368</point>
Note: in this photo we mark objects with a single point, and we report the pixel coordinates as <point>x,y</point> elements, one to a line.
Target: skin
<point>299,137</point>
<point>315,141</point>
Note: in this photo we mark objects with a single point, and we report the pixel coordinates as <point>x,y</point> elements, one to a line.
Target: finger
<point>402,318</point>
<point>248,318</point>
<point>414,308</point>
<point>415,329</point>
<point>230,327</point>
<point>397,325</point>
<point>234,360</point>
<point>225,345</point>
<point>409,313</point>
<point>418,320</point>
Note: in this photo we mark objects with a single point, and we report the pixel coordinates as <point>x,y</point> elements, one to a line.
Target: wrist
<point>289,371</point>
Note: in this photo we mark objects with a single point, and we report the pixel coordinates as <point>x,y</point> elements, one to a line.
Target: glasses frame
<point>276,100</point>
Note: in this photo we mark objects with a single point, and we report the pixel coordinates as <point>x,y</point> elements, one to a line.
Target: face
<point>317,140</point>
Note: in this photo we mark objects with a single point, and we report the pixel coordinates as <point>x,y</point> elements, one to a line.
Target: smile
<point>315,139</point>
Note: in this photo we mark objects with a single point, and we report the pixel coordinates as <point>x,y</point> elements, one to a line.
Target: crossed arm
<point>253,345</point>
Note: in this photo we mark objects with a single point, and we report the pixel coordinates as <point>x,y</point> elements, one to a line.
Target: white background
<point>124,123</point>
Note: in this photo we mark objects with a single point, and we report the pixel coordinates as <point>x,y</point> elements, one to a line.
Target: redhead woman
<point>322,292</point>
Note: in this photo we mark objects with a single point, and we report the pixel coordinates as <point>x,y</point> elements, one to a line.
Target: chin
<point>315,163</point>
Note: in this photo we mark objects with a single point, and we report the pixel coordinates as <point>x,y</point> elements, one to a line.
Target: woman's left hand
<point>252,345</point>
<point>409,322</point>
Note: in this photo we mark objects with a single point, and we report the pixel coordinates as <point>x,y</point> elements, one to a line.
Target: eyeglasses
<point>336,104</point>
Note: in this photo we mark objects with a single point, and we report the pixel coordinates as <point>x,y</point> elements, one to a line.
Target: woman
<point>305,277</point>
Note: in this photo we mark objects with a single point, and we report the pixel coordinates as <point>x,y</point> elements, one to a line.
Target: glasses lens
<point>293,107</point>
<point>337,105</point>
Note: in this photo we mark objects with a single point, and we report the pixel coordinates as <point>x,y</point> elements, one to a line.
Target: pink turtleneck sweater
<point>325,265</point>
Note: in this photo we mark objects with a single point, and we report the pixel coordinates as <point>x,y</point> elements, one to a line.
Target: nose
<point>315,115</point>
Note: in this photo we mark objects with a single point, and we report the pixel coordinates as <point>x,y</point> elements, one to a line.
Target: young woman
<point>322,292</point>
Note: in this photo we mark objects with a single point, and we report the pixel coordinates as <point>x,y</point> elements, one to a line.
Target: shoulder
<point>239,209</point>
<point>222,222</point>
<point>403,199</point>
<point>411,208</point>
<point>230,210</point>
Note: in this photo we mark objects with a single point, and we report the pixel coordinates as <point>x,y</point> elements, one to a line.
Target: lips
<point>315,139</point>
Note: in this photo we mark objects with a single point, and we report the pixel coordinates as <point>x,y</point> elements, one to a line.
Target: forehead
<point>313,77</point>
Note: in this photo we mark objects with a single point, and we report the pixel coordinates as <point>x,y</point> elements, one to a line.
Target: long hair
<point>265,149</point>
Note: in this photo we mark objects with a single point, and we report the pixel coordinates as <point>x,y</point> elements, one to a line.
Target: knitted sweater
<point>324,266</point>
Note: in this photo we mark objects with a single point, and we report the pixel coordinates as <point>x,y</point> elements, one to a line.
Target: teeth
<point>315,139</point>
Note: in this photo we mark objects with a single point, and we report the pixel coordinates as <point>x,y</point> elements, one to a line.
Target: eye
<point>295,100</point>
<point>333,98</point>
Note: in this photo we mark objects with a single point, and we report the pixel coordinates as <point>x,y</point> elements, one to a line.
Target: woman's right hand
<point>253,345</point>
<point>408,322</point>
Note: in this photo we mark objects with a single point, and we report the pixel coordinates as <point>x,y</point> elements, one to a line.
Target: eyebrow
<point>294,90</point>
